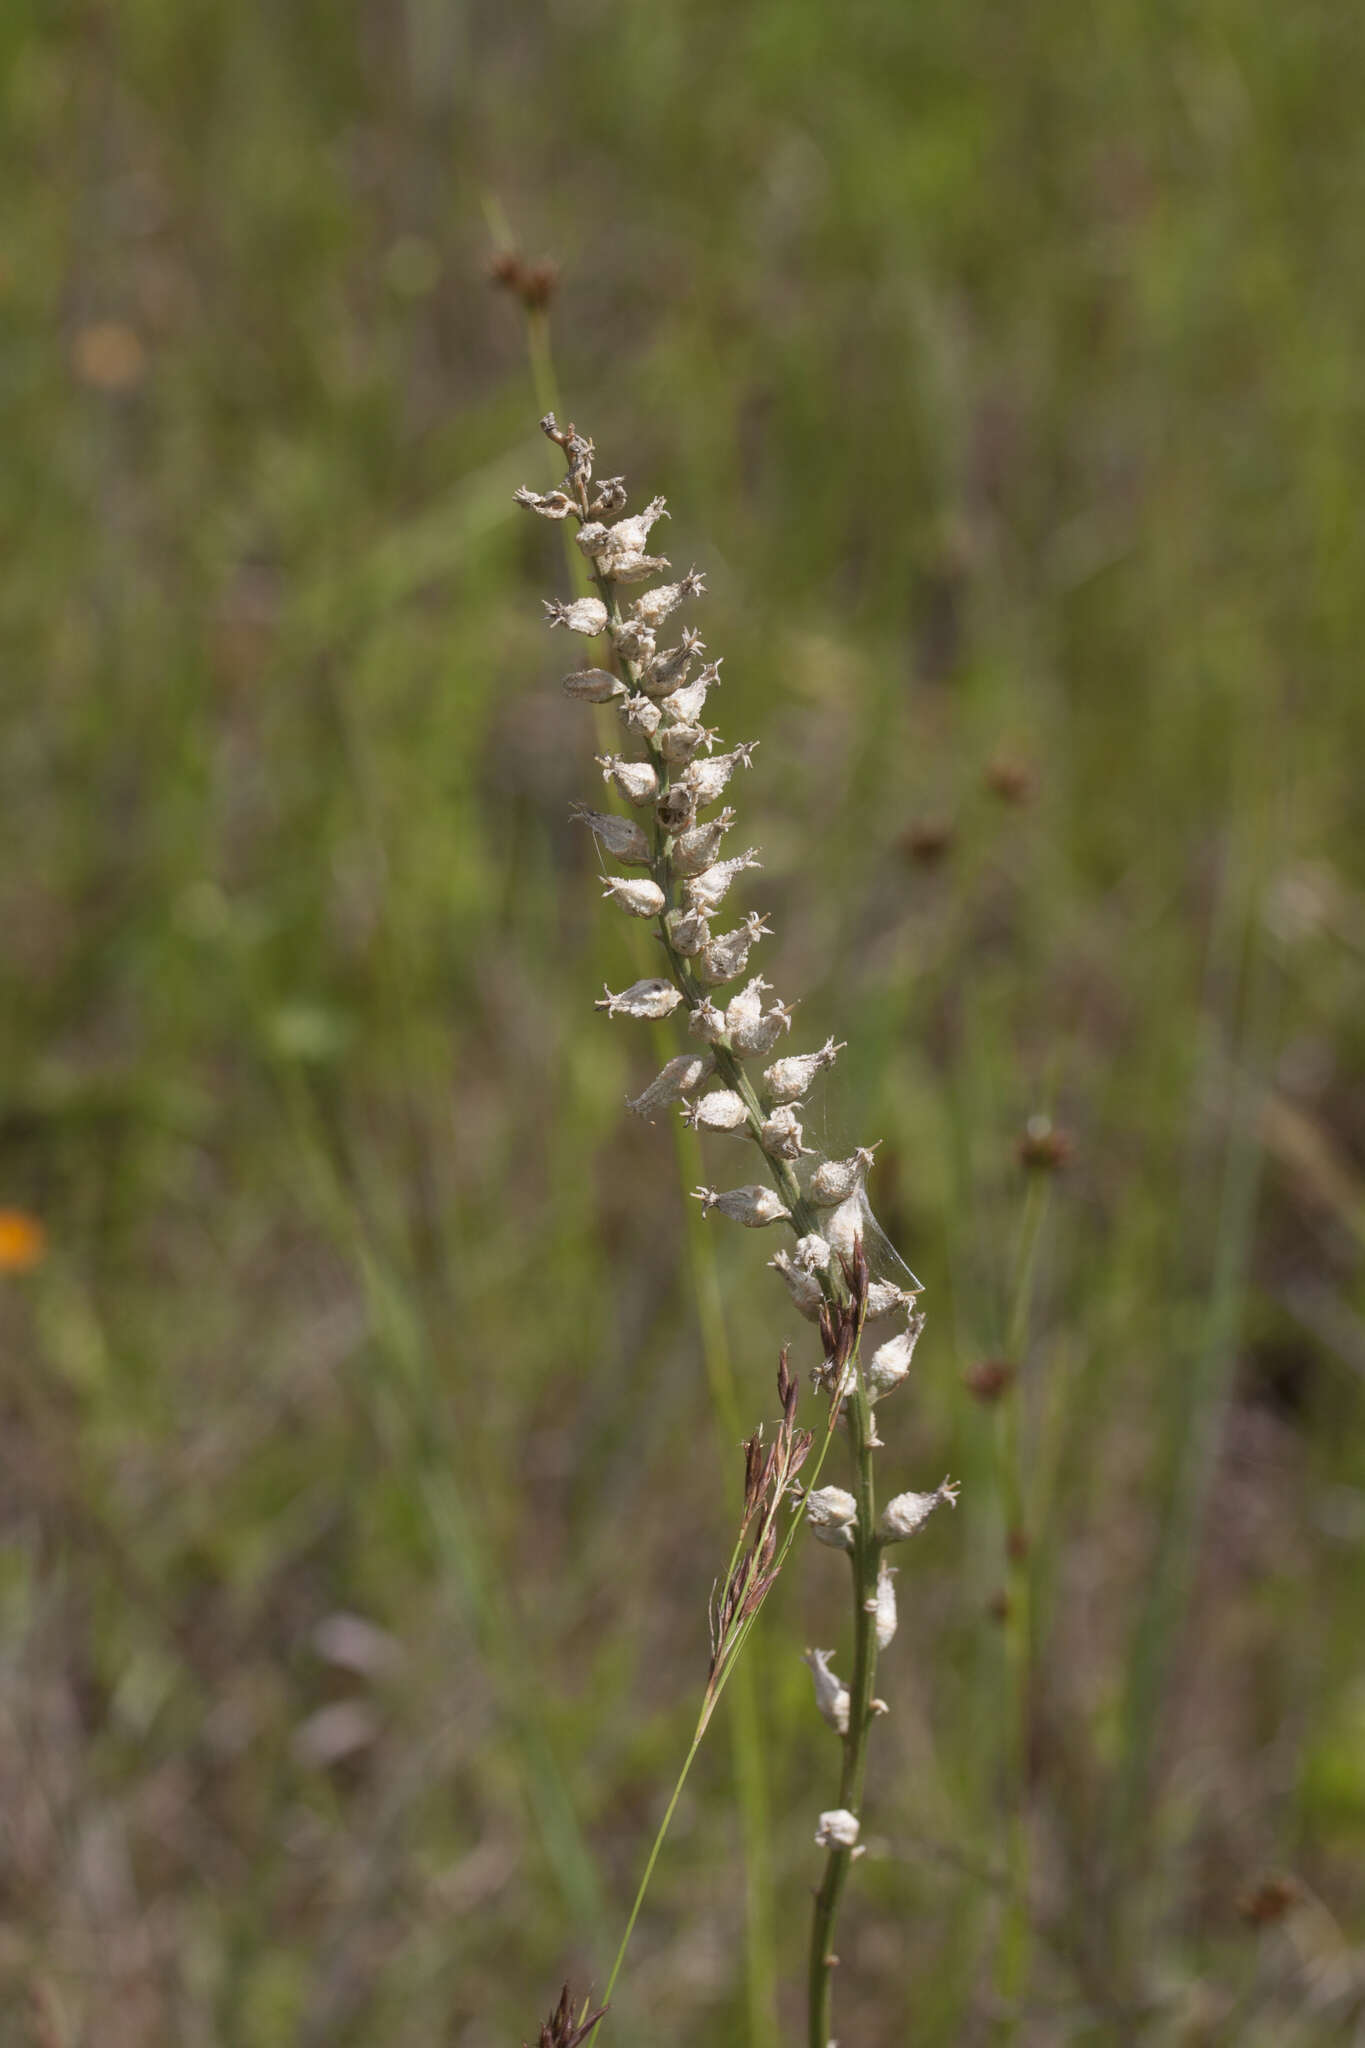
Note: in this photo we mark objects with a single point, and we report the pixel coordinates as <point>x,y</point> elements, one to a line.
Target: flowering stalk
<point>678,879</point>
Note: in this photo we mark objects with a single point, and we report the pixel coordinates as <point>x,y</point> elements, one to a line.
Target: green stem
<point>864,1560</point>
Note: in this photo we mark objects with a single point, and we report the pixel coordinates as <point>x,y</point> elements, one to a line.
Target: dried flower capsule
<point>908,1512</point>
<point>781,1136</point>
<point>655,606</point>
<point>804,1288</point>
<point>634,640</point>
<point>813,1254</point>
<point>752,1206</point>
<point>890,1362</point>
<point>678,743</point>
<point>709,778</point>
<point>747,1005</point>
<point>593,686</point>
<point>708,891</point>
<point>685,706</point>
<point>586,615</point>
<point>621,837</point>
<point>721,1110</point>
<point>884,1298</point>
<point>667,672</point>
<point>832,1513</point>
<point>838,1829</point>
<point>687,931</point>
<point>707,1022</point>
<point>728,956</point>
<point>677,1079</point>
<point>641,999</point>
<point>637,898</point>
<point>637,781</point>
<point>676,808</point>
<point>696,850</point>
<point>883,1604</point>
<point>632,568</point>
<point>628,536</point>
<point>549,504</point>
<point>760,1034</point>
<point>787,1080</point>
<point>830,1696</point>
<point>834,1180</point>
<point>645,716</point>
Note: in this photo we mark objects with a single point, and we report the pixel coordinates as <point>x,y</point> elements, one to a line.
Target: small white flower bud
<point>787,1080</point>
<point>830,1696</point>
<point>550,504</point>
<point>883,1604</point>
<point>593,686</point>
<point>832,1513</point>
<point>685,706</point>
<point>890,1362</point>
<point>637,781</point>
<point>621,837</point>
<point>656,605</point>
<point>637,898</point>
<point>781,1136</point>
<point>762,1034</point>
<point>721,1110</point>
<point>641,999</point>
<point>633,640</point>
<point>834,1180</point>
<point>708,891</point>
<point>672,1082</point>
<point>676,808</point>
<point>707,1022</point>
<point>696,850</point>
<point>586,615</point>
<point>884,1298</point>
<point>804,1288</point>
<point>709,778</point>
<point>642,714</point>
<point>837,1830</point>
<point>752,1206</point>
<point>678,743</point>
<point>908,1512</point>
<point>728,956</point>
<point>687,931</point>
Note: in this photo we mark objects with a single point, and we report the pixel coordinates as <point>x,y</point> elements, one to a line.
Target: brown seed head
<point>1012,781</point>
<point>1269,1900</point>
<point>561,2030</point>
<point>926,841</point>
<point>1042,1148</point>
<point>506,271</point>
<point>987,1381</point>
<point>538,285</point>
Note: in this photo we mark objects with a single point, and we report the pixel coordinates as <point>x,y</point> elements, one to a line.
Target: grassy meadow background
<point>363,1486</point>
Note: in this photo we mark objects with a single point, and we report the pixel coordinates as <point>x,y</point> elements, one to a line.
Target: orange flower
<point>23,1241</point>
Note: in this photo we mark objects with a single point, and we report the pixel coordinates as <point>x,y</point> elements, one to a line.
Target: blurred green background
<point>362,1490</point>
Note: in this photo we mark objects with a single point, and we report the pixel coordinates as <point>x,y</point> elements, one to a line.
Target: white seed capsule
<point>834,1180</point>
<point>752,1206</point>
<point>667,672</point>
<point>846,1223</point>
<point>883,1604</point>
<point>637,898</point>
<point>550,504</point>
<point>642,714</point>
<point>763,1033</point>
<point>676,808</point>
<point>687,931</point>
<point>708,778</point>
<point>685,706</point>
<point>678,743</point>
<point>781,1136</point>
<point>637,781</point>
<point>632,568</point>
<point>656,605</point>
<point>787,1080</point>
<point>672,1082</point>
<point>908,1512</point>
<point>593,686</point>
<point>803,1287</point>
<point>706,1022</point>
<point>830,1696</point>
<point>708,891</point>
<point>721,1110</point>
<point>832,1513</point>
<point>621,837</point>
<point>884,1298</point>
<point>634,640</point>
<point>696,850</point>
<point>641,999</point>
<point>628,536</point>
<point>890,1362</point>
<point>728,955</point>
<point>838,1829</point>
<point>747,1005</point>
<point>586,615</point>
<point>813,1254</point>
